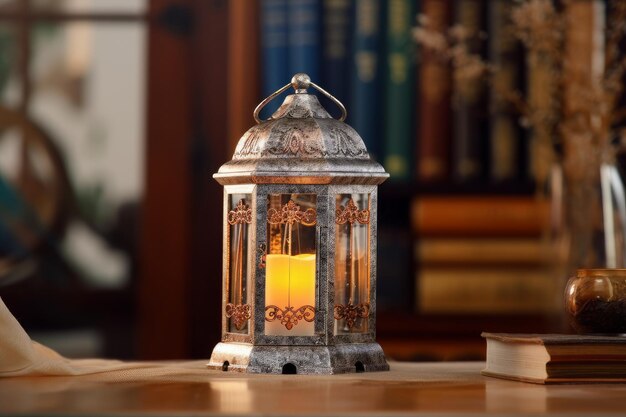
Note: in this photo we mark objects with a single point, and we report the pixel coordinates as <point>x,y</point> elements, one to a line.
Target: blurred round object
<point>595,301</point>
<point>34,191</point>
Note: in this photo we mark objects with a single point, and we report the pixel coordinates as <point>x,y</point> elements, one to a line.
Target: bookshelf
<point>400,99</point>
<point>207,69</point>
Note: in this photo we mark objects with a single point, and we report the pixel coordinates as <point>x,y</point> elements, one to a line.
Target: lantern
<point>299,263</point>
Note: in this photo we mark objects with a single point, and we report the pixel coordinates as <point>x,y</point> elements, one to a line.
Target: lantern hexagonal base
<point>338,359</point>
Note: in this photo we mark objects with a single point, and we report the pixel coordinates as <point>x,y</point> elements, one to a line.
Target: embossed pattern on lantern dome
<point>301,139</point>
<point>301,128</point>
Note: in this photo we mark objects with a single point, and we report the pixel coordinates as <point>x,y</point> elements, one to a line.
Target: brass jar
<point>595,301</point>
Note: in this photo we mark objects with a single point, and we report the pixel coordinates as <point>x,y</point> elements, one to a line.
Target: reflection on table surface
<point>421,388</point>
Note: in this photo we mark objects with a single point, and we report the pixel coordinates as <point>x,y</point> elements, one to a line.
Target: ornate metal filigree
<point>240,313</point>
<point>289,140</point>
<point>250,145</point>
<point>289,317</point>
<point>301,106</point>
<point>303,140</point>
<point>290,213</point>
<point>241,214</point>
<point>351,213</point>
<point>351,313</point>
<point>253,141</point>
<point>344,144</point>
<point>299,112</point>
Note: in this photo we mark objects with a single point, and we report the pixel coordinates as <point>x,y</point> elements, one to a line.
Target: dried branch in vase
<point>568,106</point>
<point>540,28</point>
<point>452,47</point>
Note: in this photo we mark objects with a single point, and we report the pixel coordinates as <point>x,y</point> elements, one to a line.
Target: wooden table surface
<point>409,388</point>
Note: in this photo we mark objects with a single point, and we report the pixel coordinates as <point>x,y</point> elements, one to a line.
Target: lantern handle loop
<point>267,99</point>
<point>300,82</point>
<point>344,112</point>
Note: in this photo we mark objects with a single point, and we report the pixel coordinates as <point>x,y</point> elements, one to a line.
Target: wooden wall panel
<point>211,88</point>
<point>180,258</point>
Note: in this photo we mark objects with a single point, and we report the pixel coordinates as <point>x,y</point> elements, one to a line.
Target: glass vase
<point>588,215</point>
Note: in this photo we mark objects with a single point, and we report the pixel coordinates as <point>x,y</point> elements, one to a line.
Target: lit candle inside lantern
<point>289,286</point>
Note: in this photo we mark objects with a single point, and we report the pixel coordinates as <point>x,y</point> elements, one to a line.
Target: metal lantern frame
<point>301,149</point>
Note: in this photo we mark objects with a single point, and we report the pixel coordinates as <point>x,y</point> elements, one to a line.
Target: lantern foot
<point>338,359</point>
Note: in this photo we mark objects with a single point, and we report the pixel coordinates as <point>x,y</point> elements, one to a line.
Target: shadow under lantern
<point>299,280</point>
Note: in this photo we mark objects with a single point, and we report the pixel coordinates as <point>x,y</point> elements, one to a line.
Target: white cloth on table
<point>21,356</point>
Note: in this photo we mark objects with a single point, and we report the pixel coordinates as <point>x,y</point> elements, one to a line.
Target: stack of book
<point>556,358</point>
<point>482,255</point>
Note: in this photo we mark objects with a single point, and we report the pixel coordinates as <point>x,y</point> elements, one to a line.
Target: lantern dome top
<point>301,143</point>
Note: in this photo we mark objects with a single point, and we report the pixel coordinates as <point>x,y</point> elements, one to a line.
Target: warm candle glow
<point>290,282</point>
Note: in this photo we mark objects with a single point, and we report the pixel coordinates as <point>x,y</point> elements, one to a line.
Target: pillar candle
<point>290,278</point>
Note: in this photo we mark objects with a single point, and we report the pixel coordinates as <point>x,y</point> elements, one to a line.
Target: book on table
<point>556,358</point>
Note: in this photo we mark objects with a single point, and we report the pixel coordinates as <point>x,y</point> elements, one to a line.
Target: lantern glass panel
<point>290,265</point>
<point>239,222</point>
<point>352,263</point>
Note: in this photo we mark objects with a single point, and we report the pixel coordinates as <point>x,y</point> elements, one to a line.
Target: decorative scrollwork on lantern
<point>351,312</point>
<point>290,213</point>
<point>241,214</point>
<point>351,213</point>
<point>289,317</point>
<point>240,314</point>
<point>343,144</point>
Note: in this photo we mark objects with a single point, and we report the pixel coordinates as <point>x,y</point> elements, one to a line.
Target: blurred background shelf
<point>436,337</point>
<point>141,101</point>
<point>404,190</point>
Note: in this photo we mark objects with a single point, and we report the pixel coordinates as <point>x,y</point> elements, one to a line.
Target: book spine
<point>365,102</point>
<point>479,216</point>
<point>303,21</point>
<point>399,89</point>
<point>434,92</point>
<point>274,36</point>
<point>469,136</point>
<point>584,51</point>
<point>539,81</point>
<point>585,42</point>
<point>506,54</point>
<point>612,60</point>
<point>336,19</point>
<point>486,291</point>
<point>481,251</point>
